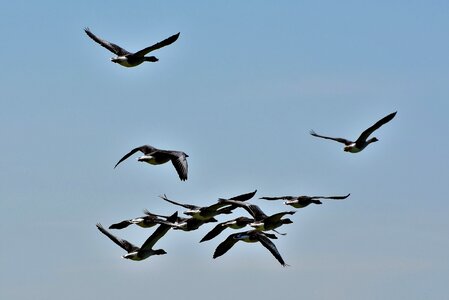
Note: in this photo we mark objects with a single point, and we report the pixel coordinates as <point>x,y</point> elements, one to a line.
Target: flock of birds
<point>260,223</point>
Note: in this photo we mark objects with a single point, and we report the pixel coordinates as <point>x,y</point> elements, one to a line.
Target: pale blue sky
<point>239,92</point>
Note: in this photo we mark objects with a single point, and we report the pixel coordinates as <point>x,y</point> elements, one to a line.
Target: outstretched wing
<point>214,232</point>
<point>252,209</point>
<point>225,245</point>
<point>267,243</point>
<point>180,164</point>
<point>148,213</point>
<point>244,197</point>
<point>364,136</point>
<point>110,46</point>
<point>122,243</point>
<point>159,232</point>
<point>278,198</point>
<point>120,225</point>
<point>156,46</point>
<point>276,217</point>
<point>189,206</point>
<point>340,140</point>
<point>331,197</point>
<point>146,149</point>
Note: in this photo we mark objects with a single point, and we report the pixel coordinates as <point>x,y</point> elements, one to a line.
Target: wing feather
<point>364,136</point>
<point>122,243</point>
<point>116,49</point>
<point>156,46</point>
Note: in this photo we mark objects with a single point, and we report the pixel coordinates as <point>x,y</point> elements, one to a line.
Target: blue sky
<point>239,92</point>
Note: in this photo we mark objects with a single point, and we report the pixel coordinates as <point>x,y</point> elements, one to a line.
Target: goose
<point>207,212</point>
<point>303,201</point>
<point>128,59</point>
<point>147,221</point>
<point>236,223</point>
<point>156,156</point>
<point>251,236</point>
<point>362,141</point>
<point>262,222</point>
<point>146,250</point>
<point>187,224</point>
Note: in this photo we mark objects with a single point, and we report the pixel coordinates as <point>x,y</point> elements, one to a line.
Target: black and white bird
<point>362,141</point>
<point>146,250</point>
<point>147,221</point>
<point>187,224</point>
<point>303,201</point>
<point>237,223</point>
<point>251,236</point>
<point>207,212</point>
<point>126,58</point>
<point>262,222</point>
<point>156,156</point>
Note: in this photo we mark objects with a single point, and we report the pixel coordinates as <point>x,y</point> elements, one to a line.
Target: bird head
<point>159,252</point>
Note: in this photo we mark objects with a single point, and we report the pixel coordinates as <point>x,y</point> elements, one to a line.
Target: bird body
<point>147,221</point>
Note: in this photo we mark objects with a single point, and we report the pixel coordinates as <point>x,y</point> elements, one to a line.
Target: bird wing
<point>267,243</point>
<point>158,233</point>
<point>219,228</point>
<point>225,245</point>
<point>189,206</point>
<point>150,214</point>
<point>122,243</point>
<point>120,225</point>
<point>156,46</point>
<point>252,209</point>
<point>256,212</point>
<point>364,136</point>
<point>180,164</point>
<point>340,140</point>
<point>276,217</point>
<point>145,149</point>
<point>278,198</point>
<point>110,46</point>
<point>331,197</point>
<point>244,197</point>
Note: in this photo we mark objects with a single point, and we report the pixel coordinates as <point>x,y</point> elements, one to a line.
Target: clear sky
<point>238,92</point>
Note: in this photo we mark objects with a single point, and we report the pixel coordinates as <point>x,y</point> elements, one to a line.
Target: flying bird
<point>187,224</point>
<point>251,236</point>
<point>128,59</point>
<point>363,140</point>
<point>147,221</point>
<point>146,250</point>
<point>156,156</point>
<point>207,212</point>
<point>236,223</point>
<point>303,201</point>
<point>262,222</point>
